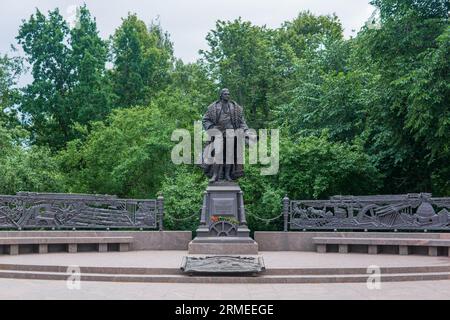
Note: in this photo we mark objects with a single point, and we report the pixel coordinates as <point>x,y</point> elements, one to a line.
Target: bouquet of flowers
<point>231,220</point>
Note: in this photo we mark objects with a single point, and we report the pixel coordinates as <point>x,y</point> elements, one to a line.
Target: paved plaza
<point>272,259</point>
<point>44,289</point>
<point>54,289</point>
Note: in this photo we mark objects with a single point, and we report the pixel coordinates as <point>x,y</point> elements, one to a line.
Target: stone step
<point>355,270</point>
<point>267,272</point>
<point>97,270</point>
<point>357,278</point>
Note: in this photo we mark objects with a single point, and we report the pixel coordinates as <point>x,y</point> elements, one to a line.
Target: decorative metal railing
<point>417,211</point>
<point>28,210</point>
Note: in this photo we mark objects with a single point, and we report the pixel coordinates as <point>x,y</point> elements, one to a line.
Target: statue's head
<point>225,94</point>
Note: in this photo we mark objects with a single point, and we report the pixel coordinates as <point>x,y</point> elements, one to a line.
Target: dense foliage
<point>365,115</point>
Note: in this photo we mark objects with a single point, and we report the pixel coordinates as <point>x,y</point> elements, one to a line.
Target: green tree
<point>183,195</point>
<point>396,9</point>
<point>239,59</point>
<point>44,41</point>
<point>296,47</point>
<point>26,169</point>
<point>428,117</point>
<point>315,168</point>
<point>91,95</point>
<point>69,76</point>
<point>143,59</point>
<point>10,70</point>
<point>192,81</point>
<point>126,156</point>
<point>129,153</point>
<point>328,94</point>
<point>262,198</point>
<point>33,169</point>
<point>308,31</point>
<point>395,54</point>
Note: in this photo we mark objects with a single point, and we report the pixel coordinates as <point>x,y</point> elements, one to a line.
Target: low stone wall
<point>143,240</point>
<point>302,241</point>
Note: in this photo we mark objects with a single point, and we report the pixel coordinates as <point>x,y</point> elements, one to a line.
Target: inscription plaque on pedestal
<point>224,207</point>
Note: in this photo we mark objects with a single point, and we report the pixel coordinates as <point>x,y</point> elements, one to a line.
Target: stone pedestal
<point>223,226</point>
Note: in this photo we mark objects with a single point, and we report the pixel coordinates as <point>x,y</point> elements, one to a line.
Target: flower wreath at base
<point>231,220</point>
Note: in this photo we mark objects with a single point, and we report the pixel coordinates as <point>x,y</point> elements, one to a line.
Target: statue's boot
<point>228,172</point>
<point>216,170</point>
<point>213,178</point>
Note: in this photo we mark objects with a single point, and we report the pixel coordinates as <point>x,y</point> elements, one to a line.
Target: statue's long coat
<point>211,119</point>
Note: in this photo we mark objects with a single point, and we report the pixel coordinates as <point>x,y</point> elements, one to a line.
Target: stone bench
<point>12,243</point>
<point>375,244</point>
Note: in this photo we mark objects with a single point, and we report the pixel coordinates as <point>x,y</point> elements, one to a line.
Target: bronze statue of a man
<point>224,115</point>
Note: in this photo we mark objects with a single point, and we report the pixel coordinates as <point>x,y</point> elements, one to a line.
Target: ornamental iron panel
<point>223,229</point>
<point>28,210</point>
<point>414,211</point>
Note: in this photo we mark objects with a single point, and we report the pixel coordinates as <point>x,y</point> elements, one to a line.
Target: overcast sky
<point>187,21</point>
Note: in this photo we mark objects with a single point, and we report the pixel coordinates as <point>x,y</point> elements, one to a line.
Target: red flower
<point>214,218</point>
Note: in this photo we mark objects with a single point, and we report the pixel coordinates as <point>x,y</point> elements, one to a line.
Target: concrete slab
<point>48,289</point>
<point>272,259</point>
